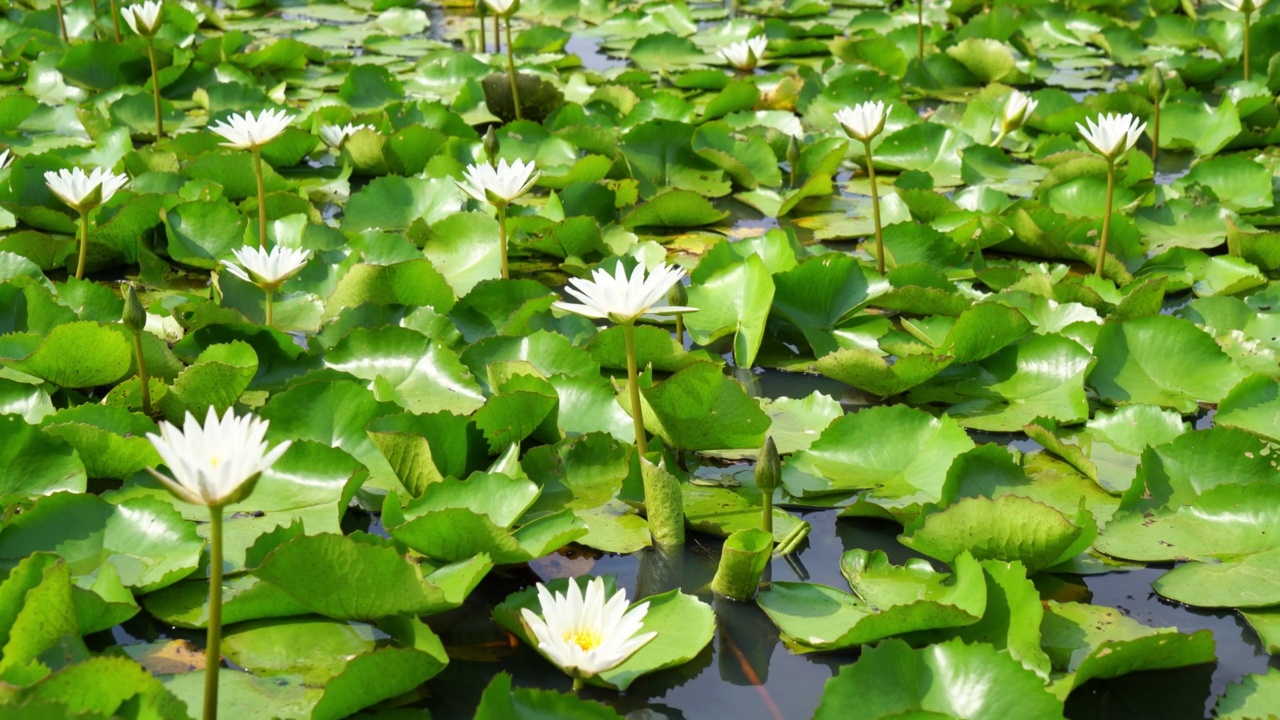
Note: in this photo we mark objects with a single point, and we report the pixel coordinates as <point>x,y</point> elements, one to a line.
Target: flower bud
<point>491,146</point>
<point>134,316</point>
<point>768,467</point>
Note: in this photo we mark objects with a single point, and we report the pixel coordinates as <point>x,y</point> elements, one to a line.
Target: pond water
<point>747,673</point>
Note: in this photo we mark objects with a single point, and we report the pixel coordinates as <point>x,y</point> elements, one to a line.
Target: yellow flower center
<point>586,639</point>
<point>215,461</point>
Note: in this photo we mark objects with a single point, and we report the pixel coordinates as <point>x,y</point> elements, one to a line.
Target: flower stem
<point>497,39</point>
<point>269,294</point>
<point>1106,217</point>
<point>1246,47</point>
<point>511,71</point>
<point>213,642</point>
<point>920,29</point>
<point>115,19</point>
<point>633,385</point>
<point>84,244</point>
<point>875,208</point>
<point>766,508</point>
<point>1155,134</point>
<point>262,199</point>
<point>155,86</point>
<point>480,15</point>
<point>999,138</point>
<point>577,684</point>
<point>142,373</point>
<point>502,239</point>
<point>62,22</point>
<point>680,330</point>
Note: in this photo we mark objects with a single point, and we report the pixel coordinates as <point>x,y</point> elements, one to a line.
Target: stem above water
<point>502,239</point>
<point>269,298</point>
<point>155,86</point>
<point>1106,217</point>
<point>633,385</point>
<point>511,71</point>
<point>213,641</point>
<point>84,244</point>
<point>142,373</point>
<point>875,208</point>
<point>262,199</point>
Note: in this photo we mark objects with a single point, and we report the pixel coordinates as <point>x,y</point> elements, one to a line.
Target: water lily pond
<point>593,359</point>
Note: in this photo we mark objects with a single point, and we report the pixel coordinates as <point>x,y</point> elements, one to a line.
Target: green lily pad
<point>1253,405</point>
<point>456,519</point>
<point>1088,642</point>
<point>78,355</point>
<point>346,579</point>
<point>36,463</point>
<point>734,301</point>
<point>111,441</point>
<point>149,544</point>
<point>407,368</point>
<point>1214,525</point>
<point>946,680</point>
<point>586,474</point>
<point>699,408</point>
<point>1252,581</point>
<point>502,702</point>
<point>1255,696</point>
<point>1161,360</point>
<point>897,452</point>
<point>1007,528</point>
<point>888,600</point>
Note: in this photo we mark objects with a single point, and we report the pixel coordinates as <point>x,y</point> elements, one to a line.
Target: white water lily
<point>621,299</point>
<point>267,269</point>
<point>336,135</point>
<point>502,7</point>
<point>5,159</point>
<point>247,132</point>
<point>1112,135</point>
<point>1017,109</point>
<point>83,191</point>
<point>144,18</point>
<point>1245,6</point>
<point>746,55</point>
<point>587,635</point>
<point>500,185</point>
<point>215,463</point>
<point>864,120</point>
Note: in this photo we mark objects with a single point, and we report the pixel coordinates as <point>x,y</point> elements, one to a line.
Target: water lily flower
<point>745,55</point>
<point>1112,135</point>
<point>587,635</point>
<point>246,132</point>
<point>623,299</point>
<point>499,185</point>
<point>865,120</point>
<point>83,191</point>
<point>502,7</point>
<point>5,159</point>
<point>336,135</point>
<point>144,18</point>
<point>267,270</point>
<point>214,464</point>
<point>1243,5</point>
<point>1017,109</point>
